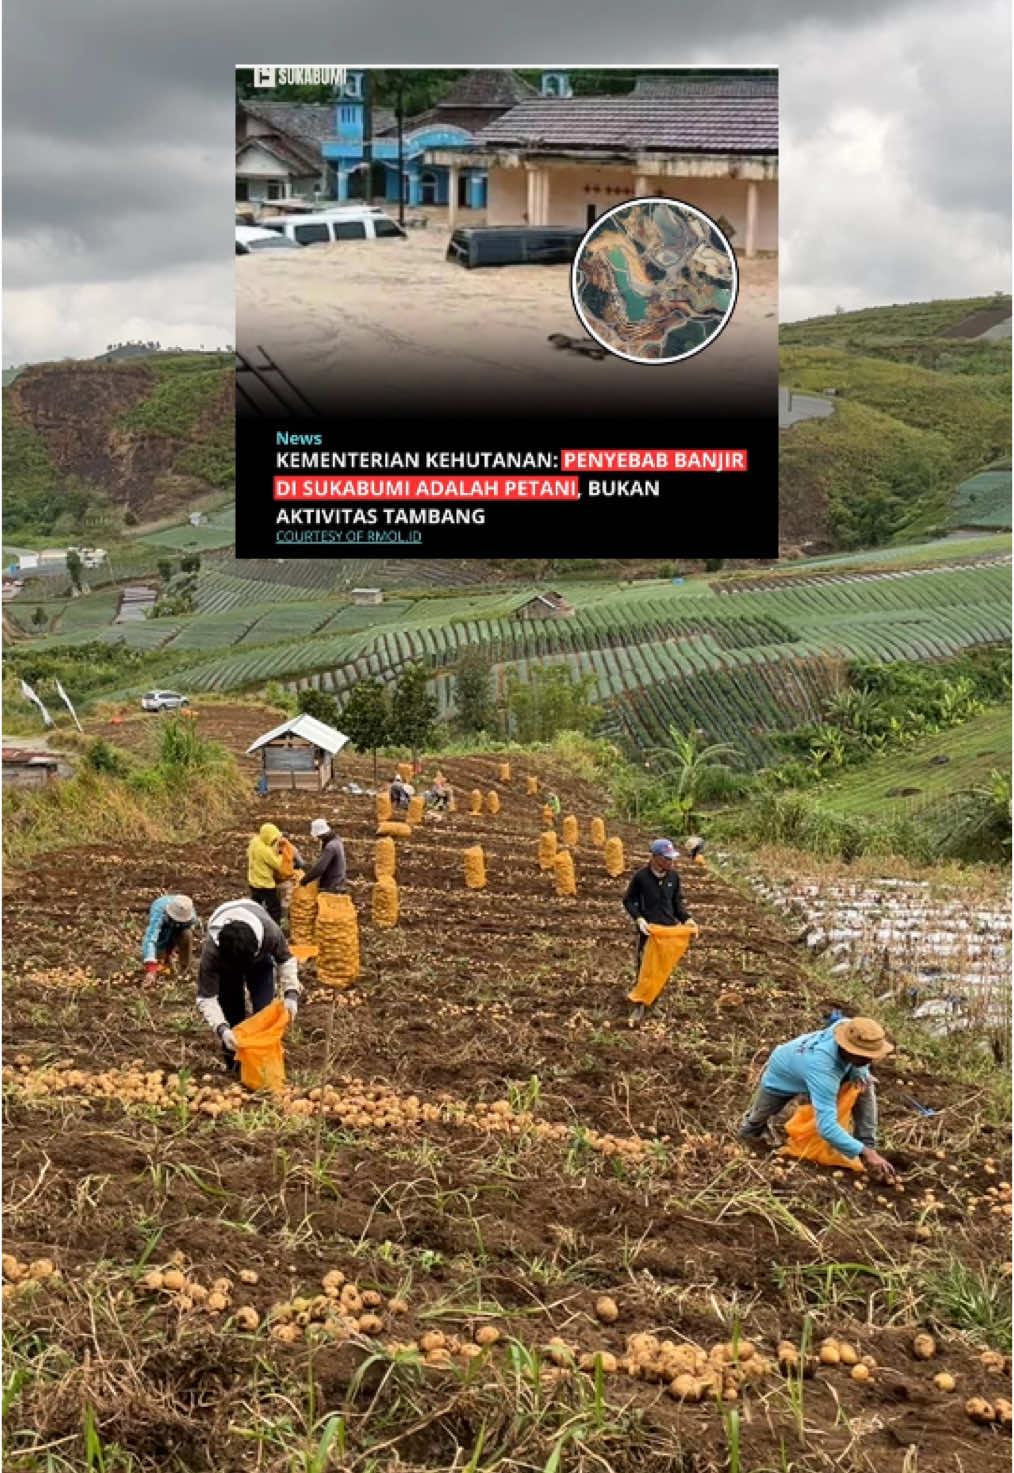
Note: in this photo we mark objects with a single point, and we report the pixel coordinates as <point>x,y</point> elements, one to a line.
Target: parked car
<point>514,245</point>
<point>359,223</point>
<point>163,700</point>
<point>250,239</point>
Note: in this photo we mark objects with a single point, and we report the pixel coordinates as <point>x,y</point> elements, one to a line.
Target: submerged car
<point>361,222</point>
<point>250,239</point>
<point>163,700</point>
<point>514,245</point>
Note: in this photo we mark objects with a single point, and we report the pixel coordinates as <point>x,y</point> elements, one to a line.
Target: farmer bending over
<point>329,866</point>
<point>239,957</point>
<point>400,791</point>
<point>655,898</point>
<point>171,922</point>
<point>815,1066</point>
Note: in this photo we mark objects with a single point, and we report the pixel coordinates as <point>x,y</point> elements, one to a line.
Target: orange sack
<point>661,956</point>
<point>806,1141</point>
<point>259,1047</point>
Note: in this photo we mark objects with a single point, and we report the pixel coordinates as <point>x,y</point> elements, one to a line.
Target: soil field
<point>475,1139</point>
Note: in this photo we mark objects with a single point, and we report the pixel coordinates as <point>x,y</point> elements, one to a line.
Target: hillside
<point>414,1238</point>
<point>108,445</point>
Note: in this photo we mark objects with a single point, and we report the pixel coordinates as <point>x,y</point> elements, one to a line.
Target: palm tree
<point>686,763</point>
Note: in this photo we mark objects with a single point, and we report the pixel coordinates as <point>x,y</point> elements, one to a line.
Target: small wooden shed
<point>299,754</point>
<point>23,769</point>
<point>545,606</point>
<point>367,595</point>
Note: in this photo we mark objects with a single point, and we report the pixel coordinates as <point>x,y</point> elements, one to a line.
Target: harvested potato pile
<point>416,808</point>
<point>547,849</point>
<point>548,816</point>
<point>394,829</point>
<point>597,830</point>
<point>493,801</point>
<point>475,868</point>
<point>383,807</point>
<point>385,902</point>
<point>531,786</point>
<point>337,940</point>
<point>475,800</point>
<point>563,867</point>
<point>615,860</point>
<point>571,832</point>
<point>505,772</point>
<point>385,857</point>
<point>303,913</point>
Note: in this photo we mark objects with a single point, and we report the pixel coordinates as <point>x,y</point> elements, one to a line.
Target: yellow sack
<point>288,853</point>
<point>505,772</point>
<point>531,785</point>
<point>548,816</point>
<point>383,807</point>
<point>416,808</point>
<point>303,913</point>
<point>615,860</point>
<point>337,940</point>
<point>805,1140</point>
<point>475,868</point>
<point>493,801</point>
<point>259,1047</point>
<point>476,801</point>
<point>570,831</point>
<point>661,956</point>
<point>598,833</point>
<point>395,829</point>
<point>547,849</point>
<point>385,901</point>
<point>563,865</point>
<point>385,858</point>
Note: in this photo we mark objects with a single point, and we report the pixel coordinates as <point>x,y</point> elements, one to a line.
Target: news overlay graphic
<point>449,289</point>
<point>654,281</point>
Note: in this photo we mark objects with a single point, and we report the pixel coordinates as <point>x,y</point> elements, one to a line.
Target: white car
<point>325,226</point>
<point>163,700</point>
<point>250,239</point>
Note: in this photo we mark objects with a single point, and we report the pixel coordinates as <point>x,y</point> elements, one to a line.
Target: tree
<point>165,569</point>
<point>714,564</point>
<point>473,695</point>
<point>319,704</point>
<point>548,702</point>
<point>191,563</point>
<point>685,764</point>
<point>39,618</point>
<point>74,566</point>
<point>413,710</point>
<point>366,717</point>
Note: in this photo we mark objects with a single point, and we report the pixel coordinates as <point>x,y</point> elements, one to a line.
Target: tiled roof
<point>306,123</point>
<point>710,84</point>
<point>296,159</point>
<point>487,88</point>
<point>701,123</point>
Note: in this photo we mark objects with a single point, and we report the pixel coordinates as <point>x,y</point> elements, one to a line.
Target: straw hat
<point>862,1036</point>
<point>180,909</point>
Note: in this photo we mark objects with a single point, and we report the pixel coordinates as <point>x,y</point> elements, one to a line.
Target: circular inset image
<point>654,280</point>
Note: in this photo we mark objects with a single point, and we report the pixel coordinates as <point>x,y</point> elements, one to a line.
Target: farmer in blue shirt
<point>171,922</point>
<point>815,1066</point>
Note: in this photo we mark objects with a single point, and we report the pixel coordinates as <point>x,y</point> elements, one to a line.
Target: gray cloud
<point>118,178</point>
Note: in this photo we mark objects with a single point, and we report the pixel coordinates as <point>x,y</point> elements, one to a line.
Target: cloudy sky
<point>118,183</point>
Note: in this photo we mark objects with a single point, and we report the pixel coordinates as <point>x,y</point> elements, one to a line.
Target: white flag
<point>29,695</point>
<point>65,698</point>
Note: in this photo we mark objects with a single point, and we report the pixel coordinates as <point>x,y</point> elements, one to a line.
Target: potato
<point>607,1309</point>
<point>979,1409</point>
<point>829,1354</point>
<point>847,1354</point>
<point>922,1232</point>
<point>197,1292</point>
<point>432,1340</point>
<point>215,1302</point>
<point>172,1278</point>
<point>370,1324</point>
<point>993,1361</point>
<point>686,1388</point>
<point>944,1381</point>
<point>747,1350</point>
<point>154,1279</point>
<point>1003,1411</point>
<point>397,1306</point>
<point>332,1282</point>
<point>248,1276</point>
<point>860,1372</point>
<point>247,1318</point>
<point>924,1347</point>
<point>287,1334</point>
<point>41,1268</point>
<point>371,1299</point>
<point>487,1335</point>
<point>559,1352</point>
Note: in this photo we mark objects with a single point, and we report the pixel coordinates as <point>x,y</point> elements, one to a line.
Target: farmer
<point>815,1066</point>
<point>329,866</point>
<point>655,898</point>
<point>265,864</point>
<point>553,802</point>
<point>401,791</point>
<point>693,848</point>
<point>239,958</point>
<point>439,793</point>
<point>171,922</point>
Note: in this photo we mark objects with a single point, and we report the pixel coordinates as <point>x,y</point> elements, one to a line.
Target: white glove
<point>692,924</point>
<point>228,1040</point>
<point>643,927</point>
<point>291,1004</point>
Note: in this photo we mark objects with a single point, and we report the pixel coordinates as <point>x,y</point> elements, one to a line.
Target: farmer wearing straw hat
<point>171,922</point>
<point>655,898</point>
<point>816,1065</point>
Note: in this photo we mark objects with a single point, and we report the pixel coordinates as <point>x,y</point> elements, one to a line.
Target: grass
<point>897,322</point>
<point>975,1302</point>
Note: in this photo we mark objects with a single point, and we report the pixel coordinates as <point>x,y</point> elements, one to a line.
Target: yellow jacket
<point>263,861</point>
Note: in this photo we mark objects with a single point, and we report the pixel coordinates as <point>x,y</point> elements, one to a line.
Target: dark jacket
<point>270,943</point>
<point>329,866</point>
<point>659,901</point>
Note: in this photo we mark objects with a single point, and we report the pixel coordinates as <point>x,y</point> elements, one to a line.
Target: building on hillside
<point>27,562</point>
<point>299,753</point>
<point>709,139</point>
<point>367,595</point>
<point>544,606</point>
<point>278,150</point>
<point>22,769</point>
<point>472,102</point>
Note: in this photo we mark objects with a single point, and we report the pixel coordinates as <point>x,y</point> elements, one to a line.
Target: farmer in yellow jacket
<point>265,865</point>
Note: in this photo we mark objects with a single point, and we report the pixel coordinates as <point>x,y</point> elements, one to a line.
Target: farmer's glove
<point>291,1004</point>
<point>228,1038</point>
<point>692,924</point>
<point>151,969</point>
<point>643,927</point>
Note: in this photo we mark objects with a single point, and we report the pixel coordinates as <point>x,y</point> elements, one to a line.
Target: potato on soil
<point>215,1302</point>
<point>1002,1408</point>
<point>370,1324</point>
<point>173,1279</point>
<point>246,1318</point>
<point>371,1299</point>
<point>924,1347</point>
<point>604,1358</point>
<point>847,1354</point>
<point>559,1352</point>
<point>248,1276</point>
<point>155,1279</point>
<point>432,1340</point>
<point>944,1381</point>
<point>397,1306</point>
<point>829,1354</point>
<point>980,1410</point>
<point>606,1309</point>
<point>686,1388</point>
<point>993,1361</point>
<point>487,1335</point>
<point>861,1372</point>
<point>42,1268</point>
